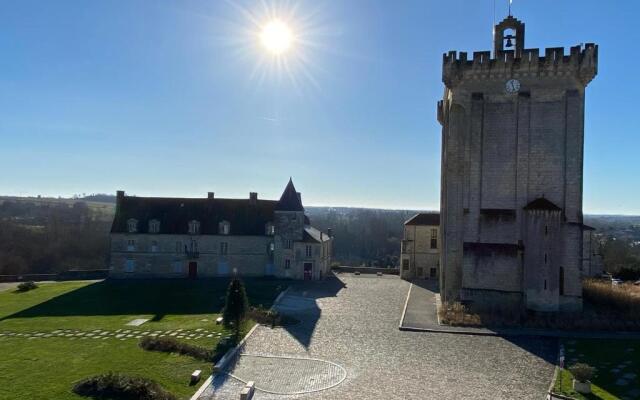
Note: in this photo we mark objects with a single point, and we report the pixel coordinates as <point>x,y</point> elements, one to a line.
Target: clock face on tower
<point>512,86</point>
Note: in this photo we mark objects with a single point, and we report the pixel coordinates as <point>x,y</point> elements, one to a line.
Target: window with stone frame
<point>154,226</point>
<point>224,248</point>
<point>434,238</point>
<point>177,267</point>
<point>194,227</point>
<point>405,264</point>
<point>132,225</point>
<point>131,245</point>
<point>224,228</point>
<point>129,265</point>
<point>269,229</point>
<point>287,263</point>
<point>308,251</point>
<point>154,246</point>
<point>288,244</point>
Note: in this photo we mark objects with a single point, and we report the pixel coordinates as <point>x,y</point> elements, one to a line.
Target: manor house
<point>512,172</point>
<point>211,237</point>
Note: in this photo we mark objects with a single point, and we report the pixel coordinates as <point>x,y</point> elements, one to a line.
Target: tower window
<point>270,229</point>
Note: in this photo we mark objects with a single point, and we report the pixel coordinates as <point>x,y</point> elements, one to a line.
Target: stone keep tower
<point>511,190</point>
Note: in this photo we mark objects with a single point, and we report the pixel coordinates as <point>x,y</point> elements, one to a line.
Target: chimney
<point>330,232</point>
<point>210,195</point>
<point>119,197</point>
<point>253,197</point>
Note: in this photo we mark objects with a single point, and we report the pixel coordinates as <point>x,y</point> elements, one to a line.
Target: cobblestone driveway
<point>356,327</point>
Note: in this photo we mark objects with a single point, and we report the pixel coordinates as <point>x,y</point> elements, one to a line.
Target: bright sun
<point>276,37</point>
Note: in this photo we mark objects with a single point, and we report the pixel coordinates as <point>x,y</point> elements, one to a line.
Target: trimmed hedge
<point>270,317</point>
<point>123,387</point>
<point>171,345</point>
<point>26,286</point>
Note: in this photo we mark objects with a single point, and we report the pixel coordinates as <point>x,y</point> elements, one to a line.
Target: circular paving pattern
<point>287,375</point>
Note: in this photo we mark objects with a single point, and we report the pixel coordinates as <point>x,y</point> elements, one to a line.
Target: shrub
<point>236,305</point>
<point>582,372</point>
<point>457,314</point>
<point>628,273</point>
<point>171,345</point>
<point>118,386</point>
<point>26,286</point>
<point>612,298</point>
<point>270,317</point>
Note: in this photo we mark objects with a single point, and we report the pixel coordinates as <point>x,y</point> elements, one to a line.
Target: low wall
<point>72,275</point>
<point>366,270</point>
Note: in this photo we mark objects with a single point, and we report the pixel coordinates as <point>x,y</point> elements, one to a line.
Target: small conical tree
<point>236,307</point>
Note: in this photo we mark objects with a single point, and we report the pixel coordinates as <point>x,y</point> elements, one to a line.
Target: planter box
<point>582,387</point>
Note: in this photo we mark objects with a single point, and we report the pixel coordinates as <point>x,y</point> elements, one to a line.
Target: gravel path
<point>356,327</point>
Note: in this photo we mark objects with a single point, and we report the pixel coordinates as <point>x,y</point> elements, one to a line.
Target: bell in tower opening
<point>512,170</point>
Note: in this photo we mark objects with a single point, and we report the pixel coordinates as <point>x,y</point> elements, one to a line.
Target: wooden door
<point>308,271</point>
<point>193,269</point>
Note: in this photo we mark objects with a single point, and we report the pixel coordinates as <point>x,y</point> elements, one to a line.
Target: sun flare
<point>276,37</point>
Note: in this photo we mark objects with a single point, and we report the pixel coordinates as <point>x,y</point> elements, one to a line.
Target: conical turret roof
<point>290,199</point>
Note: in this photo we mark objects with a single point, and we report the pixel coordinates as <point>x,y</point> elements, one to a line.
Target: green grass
<point>48,367</point>
<point>605,355</point>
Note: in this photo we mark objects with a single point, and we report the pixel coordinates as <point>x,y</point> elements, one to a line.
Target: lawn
<point>617,363</point>
<point>48,340</point>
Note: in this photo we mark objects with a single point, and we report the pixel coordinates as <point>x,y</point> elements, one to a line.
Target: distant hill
<point>100,197</point>
<point>362,235</point>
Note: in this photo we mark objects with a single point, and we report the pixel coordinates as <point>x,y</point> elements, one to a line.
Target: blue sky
<point>177,98</point>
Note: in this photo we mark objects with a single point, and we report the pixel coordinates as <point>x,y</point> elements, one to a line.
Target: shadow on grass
<point>158,297</point>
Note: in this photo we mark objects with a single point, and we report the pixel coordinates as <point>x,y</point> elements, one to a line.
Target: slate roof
<point>245,216</point>
<point>424,219</point>
<point>313,235</point>
<point>290,199</point>
<point>542,204</point>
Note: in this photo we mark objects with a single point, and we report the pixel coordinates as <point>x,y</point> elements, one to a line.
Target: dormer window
<point>269,229</point>
<point>224,228</point>
<point>154,226</point>
<point>194,227</point>
<point>132,225</point>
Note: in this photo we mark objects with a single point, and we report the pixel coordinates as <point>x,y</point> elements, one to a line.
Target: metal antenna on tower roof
<point>510,2</point>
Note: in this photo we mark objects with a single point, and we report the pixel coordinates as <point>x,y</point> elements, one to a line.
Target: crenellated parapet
<point>581,63</point>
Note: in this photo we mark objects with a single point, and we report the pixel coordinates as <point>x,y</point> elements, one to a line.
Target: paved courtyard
<point>348,345</point>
